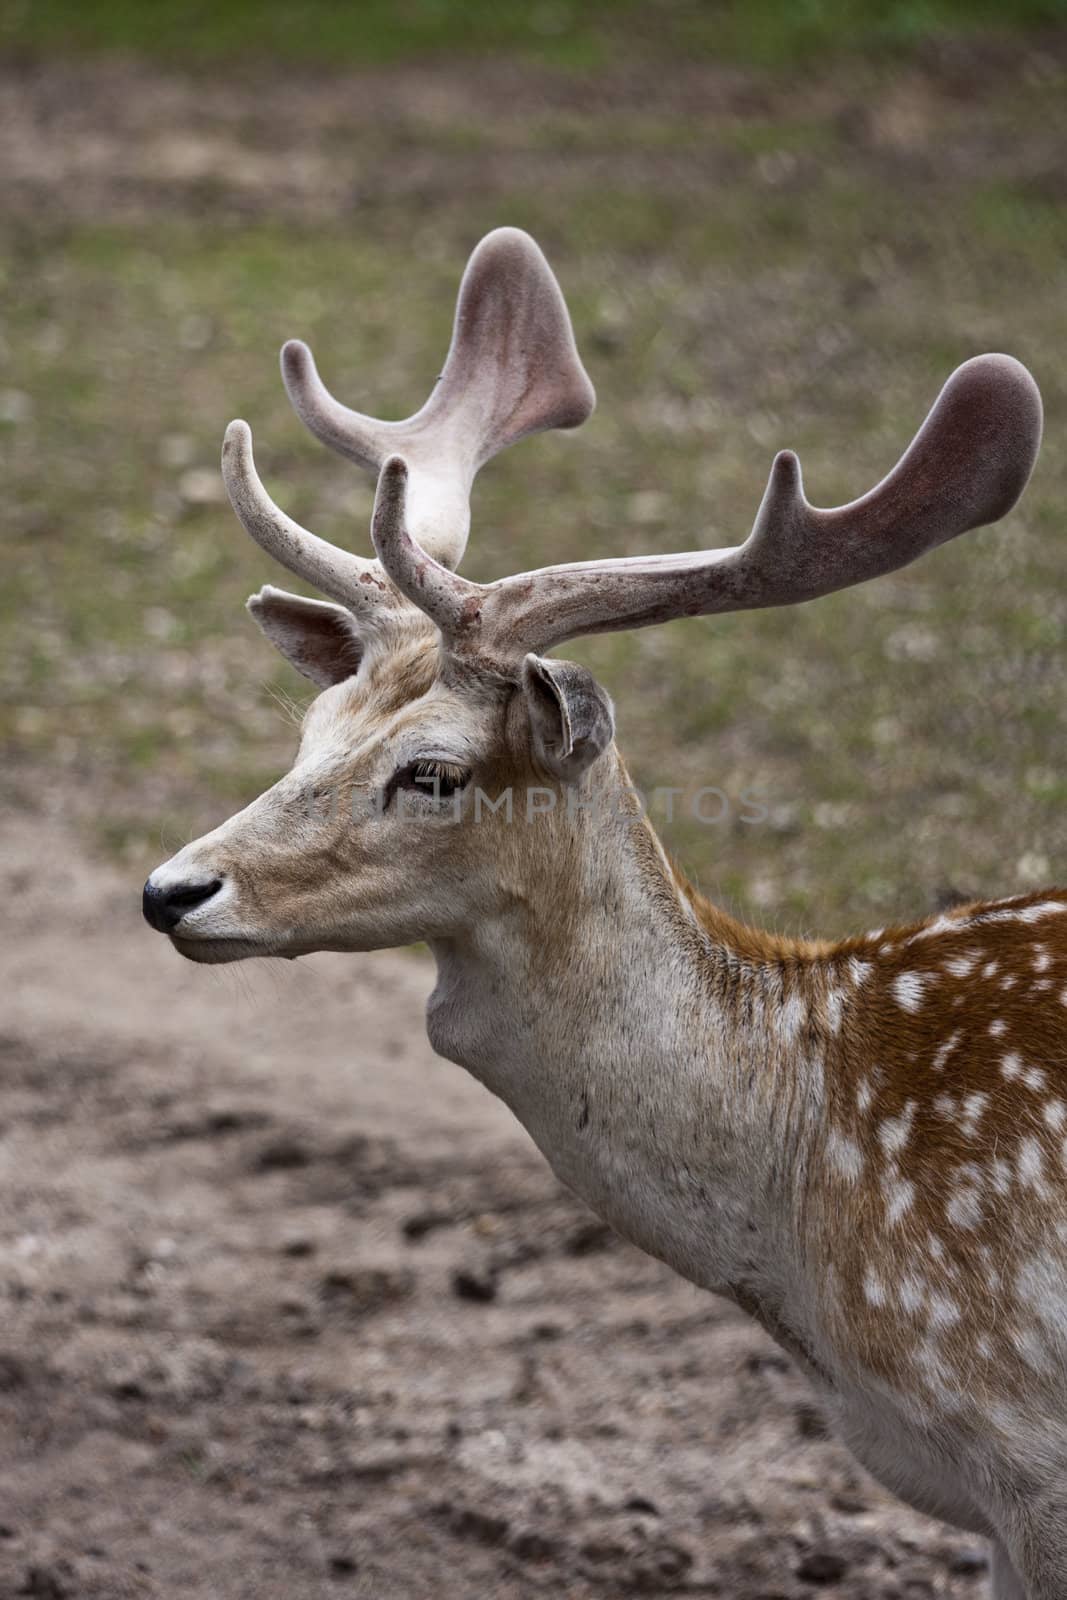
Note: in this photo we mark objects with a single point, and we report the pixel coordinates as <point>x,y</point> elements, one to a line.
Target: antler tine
<point>512,369</point>
<point>967,466</point>
<point>447,599</point>
<point>354,582</point>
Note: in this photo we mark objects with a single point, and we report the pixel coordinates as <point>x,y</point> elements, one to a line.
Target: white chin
<point>217,951</point>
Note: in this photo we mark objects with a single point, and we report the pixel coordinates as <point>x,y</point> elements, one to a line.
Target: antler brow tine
<point>354,582</point>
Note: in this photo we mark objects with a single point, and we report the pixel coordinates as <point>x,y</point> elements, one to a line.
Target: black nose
<point>164,908</point>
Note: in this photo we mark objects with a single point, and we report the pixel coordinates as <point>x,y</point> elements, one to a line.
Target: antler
<point>512,369</point>
<point>967,466</point>
<point>355,582</point>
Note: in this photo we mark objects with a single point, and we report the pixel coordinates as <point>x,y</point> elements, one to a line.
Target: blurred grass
<point>561,32</point>
<point>804,271</point>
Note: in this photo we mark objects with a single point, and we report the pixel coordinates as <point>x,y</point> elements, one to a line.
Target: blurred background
<point>774,225</point>
<point>260,1251</point>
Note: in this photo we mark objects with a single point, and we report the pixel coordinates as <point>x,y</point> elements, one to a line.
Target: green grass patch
<point>558,32</point>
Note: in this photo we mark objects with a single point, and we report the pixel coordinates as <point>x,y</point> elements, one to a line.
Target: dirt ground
<point>117,141</point>
<point>292,1308</point>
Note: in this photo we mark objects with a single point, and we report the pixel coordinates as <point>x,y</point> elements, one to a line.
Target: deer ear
<point>319,639</point>
<point>571,717</point>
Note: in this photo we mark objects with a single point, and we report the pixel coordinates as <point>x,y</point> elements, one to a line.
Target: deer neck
<point>651,1048</point>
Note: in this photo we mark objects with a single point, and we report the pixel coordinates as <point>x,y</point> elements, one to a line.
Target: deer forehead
<point>399,701</point>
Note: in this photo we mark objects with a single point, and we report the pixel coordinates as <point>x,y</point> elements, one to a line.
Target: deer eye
<point>440,780</point>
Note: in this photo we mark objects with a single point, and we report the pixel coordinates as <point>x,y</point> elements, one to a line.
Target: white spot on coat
<point>943,1051</point>
<point>909,988</point>
<point>1055,1114</point>
<point>1028,914</point>
<point>835,1009</point>
<point>1001,1175</point>
<point>942,924</point>
<point>900,1197</point>
<point>844,1154</point>
<point>1031,1347</point>
<point>944,1312</point>
<point>1041,1284</point>
<point>964,1210</point>
<point>894,1132</point>
<point>1031,1164</point>
<point>912,1291</point>
<point>973,1107</point>
<point>874,1288</point>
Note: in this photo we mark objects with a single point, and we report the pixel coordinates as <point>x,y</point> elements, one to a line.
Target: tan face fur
<point>350,850</point>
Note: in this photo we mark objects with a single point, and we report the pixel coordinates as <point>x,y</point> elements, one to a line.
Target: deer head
<point>437,697</point>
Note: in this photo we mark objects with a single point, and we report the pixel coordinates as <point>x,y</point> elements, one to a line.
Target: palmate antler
<point>512,369</point>
<point>967,466</point>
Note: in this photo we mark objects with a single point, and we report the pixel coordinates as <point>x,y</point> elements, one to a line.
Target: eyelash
<point>437,779</point>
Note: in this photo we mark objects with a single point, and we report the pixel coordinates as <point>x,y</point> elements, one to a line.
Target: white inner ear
<point>319,639</point>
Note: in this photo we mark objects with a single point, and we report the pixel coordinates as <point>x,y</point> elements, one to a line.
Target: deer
<point>861,1143</point>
